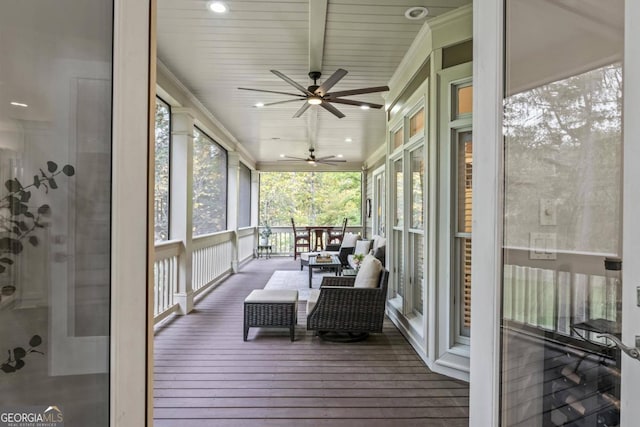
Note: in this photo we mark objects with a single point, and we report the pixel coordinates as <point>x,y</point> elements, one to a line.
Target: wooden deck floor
<point>206,375</point>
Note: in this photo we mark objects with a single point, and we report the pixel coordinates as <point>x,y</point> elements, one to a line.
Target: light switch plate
<point>542,246</point>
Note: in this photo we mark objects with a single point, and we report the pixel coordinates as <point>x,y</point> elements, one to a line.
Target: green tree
<point>209,185</point>
<point>161,189</point>
<point>320,198</point>
<point>563,142</point>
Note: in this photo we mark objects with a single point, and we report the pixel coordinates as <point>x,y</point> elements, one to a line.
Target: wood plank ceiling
<point>214,54</point>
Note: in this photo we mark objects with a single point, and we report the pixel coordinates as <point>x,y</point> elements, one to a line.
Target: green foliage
<point>209,185</point>
<point>266,231</point>
<point>18,219</point>
<point>162,153</point>
<point>310,198</point>
<point>15,361</point>
<point>563,142</point>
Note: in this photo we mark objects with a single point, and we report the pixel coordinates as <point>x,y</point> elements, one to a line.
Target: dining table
<point>319,236</point>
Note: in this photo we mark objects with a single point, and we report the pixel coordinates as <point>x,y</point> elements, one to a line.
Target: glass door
<point>564,294</point>
<point>55,211</point>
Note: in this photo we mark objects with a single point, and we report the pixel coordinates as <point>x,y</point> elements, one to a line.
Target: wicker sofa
<point>345,313</point>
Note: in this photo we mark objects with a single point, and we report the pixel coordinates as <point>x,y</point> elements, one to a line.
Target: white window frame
<point>379,199</point>
<point>453,350</point>
<point>404,305</point>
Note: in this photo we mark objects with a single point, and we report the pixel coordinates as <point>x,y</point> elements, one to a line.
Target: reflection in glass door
<point>561,283</point>
<point>55,208</point>
<point>398,262</point>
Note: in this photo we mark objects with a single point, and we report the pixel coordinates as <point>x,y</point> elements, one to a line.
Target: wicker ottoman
<point>271,308</point>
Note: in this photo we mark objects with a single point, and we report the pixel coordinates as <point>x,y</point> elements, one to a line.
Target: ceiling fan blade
<point>272,91</point>
<point>357,91</point>
<point>291,82</point>
<point>333,110</point>
<point>351,102</point>
<point>331,162</point>
<point>292,159</point>
<point>280,102</point>
<point>331,81</point>
<point>302,109</point>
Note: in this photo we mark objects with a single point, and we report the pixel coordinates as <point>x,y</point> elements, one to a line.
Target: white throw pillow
<point>369,274</point>
<point>349,240</point>
<point>362,247</point>
<point>377,242</point>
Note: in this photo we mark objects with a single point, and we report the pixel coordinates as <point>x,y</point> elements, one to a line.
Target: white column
<point>255,204</point>
<point>233,203</point>
<point>255,196</point>
<point>181,216</point>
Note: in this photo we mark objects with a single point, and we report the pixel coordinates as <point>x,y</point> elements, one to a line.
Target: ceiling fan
<point>313,160</point>
<point>320,95</point>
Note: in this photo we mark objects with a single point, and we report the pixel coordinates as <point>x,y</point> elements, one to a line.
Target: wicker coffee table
<point>271,308</point>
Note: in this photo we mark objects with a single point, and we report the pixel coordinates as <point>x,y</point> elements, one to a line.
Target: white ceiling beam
<point>317,25</point>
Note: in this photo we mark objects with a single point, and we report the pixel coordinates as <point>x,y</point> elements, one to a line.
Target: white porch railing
<point>553,295</point>
<point>246,243</point>
<point>281,240</point>
<point>212,258</point>
<point>165,283</point>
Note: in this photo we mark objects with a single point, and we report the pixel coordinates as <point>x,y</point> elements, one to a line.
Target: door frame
<point>488,77</point>
<point>488,34</point>
<point>630,383</point>
<point>130,327</point>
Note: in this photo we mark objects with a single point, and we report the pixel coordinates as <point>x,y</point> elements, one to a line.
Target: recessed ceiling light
<point>364,107</point>
<point>218,6</point>
<point>339,155</point>
<point>281,155</point>
<point>259,104</point>
<point>19,104</point>
<point>348,140</point>
<point>417,12</point>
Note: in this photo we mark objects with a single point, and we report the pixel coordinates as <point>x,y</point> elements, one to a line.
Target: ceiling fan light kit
<point>320,95</point>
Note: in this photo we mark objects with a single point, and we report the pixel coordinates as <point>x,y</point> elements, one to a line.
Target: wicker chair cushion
<point>362,247</point>
<point>312,299</point>
<point>380,254</point>
<point>349,240</point>
<point>379,242</point>
<point>369,273</point>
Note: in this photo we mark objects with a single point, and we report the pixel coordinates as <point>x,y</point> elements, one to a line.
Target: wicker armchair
<point>344,313</point>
